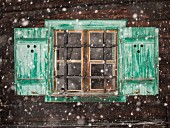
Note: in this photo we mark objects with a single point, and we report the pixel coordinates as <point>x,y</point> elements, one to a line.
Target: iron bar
<point>65,60</point>
<point>104,58</point>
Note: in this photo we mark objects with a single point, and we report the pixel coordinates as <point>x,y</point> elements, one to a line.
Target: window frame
<point>101,61</point>
<point>84,25</point>
<point>55,61</point>
<point>85,55</point>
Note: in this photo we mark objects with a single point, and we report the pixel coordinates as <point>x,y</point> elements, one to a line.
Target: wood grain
<point>139,111</point>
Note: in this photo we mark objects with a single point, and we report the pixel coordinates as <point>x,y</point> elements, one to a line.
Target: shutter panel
<point>31,57</point>
<point>139,64</point>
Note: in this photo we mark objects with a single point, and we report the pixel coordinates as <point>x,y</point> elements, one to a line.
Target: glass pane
<point>60,54</point>
<point>96,38</point>
<point>109,54</point>
<point>97,83</point>
<point>110,38</point>
<point>60,69</point>
<point>109,70</point>
<point>96,53</point>
<point>109,84</point>
<point>74,38</point>
<point>98,69</point>
<point>74,53</point>
<point>60,84</point>
<point>60,38</point>
<point>74,84</point>
<point>74,69</point>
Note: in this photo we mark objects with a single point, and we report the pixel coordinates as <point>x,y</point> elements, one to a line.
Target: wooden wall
<point>138,111</point>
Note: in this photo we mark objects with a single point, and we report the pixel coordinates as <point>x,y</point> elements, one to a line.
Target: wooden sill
<point>81,94</point>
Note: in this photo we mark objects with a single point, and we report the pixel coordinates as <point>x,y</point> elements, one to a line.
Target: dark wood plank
<point>139,111</point>
<point>10,6</point>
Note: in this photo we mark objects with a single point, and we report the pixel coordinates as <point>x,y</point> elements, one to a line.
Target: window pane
<point>74,84</point>
<point>74,38</point>
<point>60,38</point>
<point>74,53</point>
<point>109,70</point>
<point>96,53</point>
<point>60,69</point>
<point>97,83</point>
<point>60,84</point>
<point>98,69</point>
<point>60,54</point>
<point>110,38</point>
<point>96,38</point>
<point>74,69</point>
<point>110,83</point>
<point>109,53</point>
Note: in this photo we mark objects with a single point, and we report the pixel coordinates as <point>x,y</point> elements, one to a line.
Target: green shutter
<point>31,61</point>
<point>139,61</point>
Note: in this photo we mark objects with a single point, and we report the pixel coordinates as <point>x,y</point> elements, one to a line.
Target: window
<point>68,61</point>
<point>86,60</point>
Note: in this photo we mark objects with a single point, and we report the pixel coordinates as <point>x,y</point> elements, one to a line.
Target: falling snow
<point>135,16</point>
<point>25,22</point>
<point>34,111</point>
<point>64,9</point>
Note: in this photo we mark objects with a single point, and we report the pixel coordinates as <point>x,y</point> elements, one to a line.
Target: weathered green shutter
<point>139,61</point>
<point>31,61</point>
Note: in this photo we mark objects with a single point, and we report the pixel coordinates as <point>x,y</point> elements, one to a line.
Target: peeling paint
<point>137,59</point>
<point>139,50</point>
<point>31,60</point>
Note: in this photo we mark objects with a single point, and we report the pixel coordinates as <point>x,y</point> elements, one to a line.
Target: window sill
<point>90,98</point>
<point>80,94</point>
